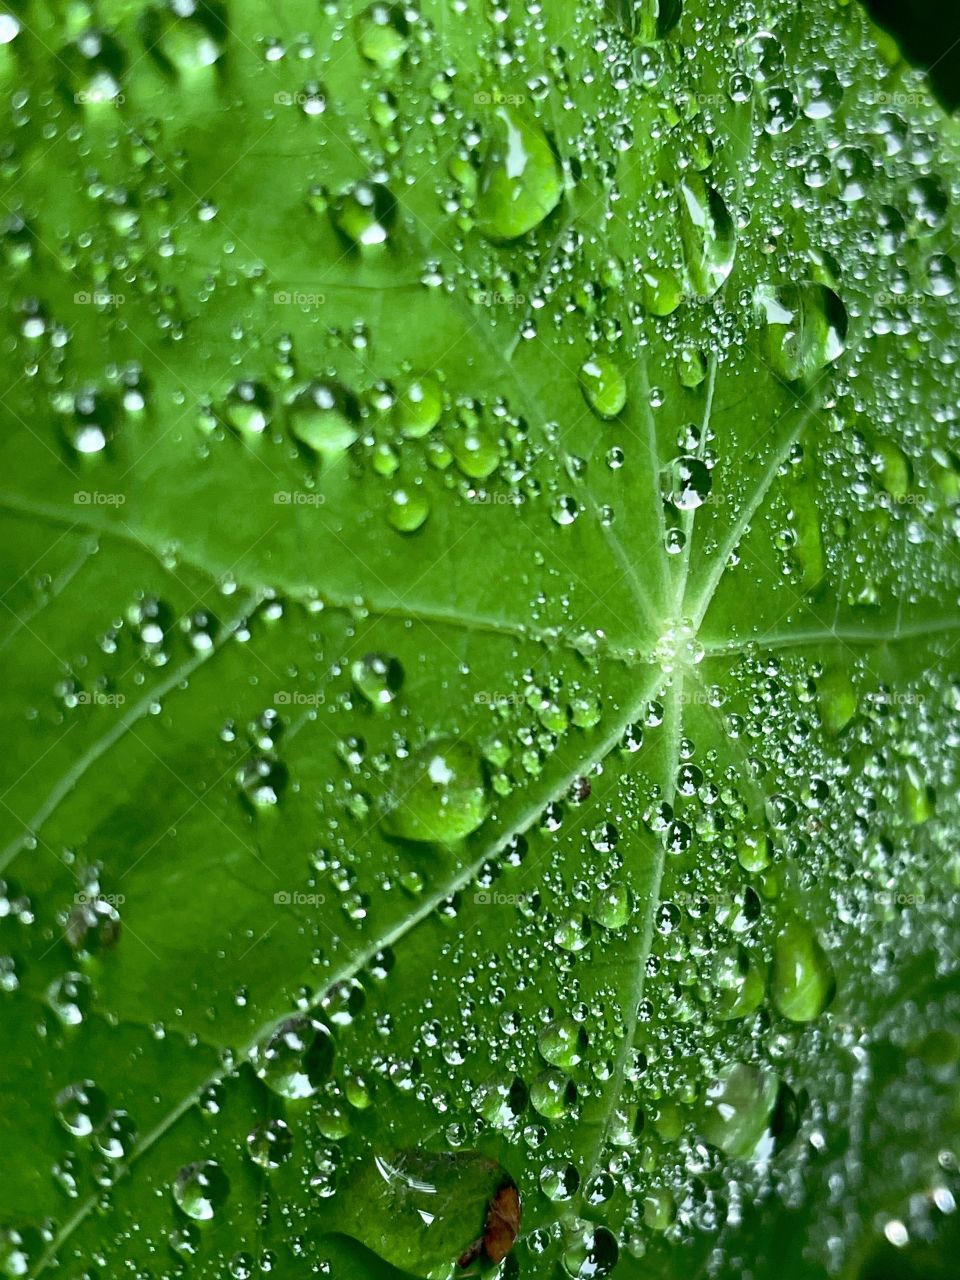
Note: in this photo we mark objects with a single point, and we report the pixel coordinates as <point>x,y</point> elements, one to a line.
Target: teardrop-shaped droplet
<point>802,982</point>
<point>520,180</point>
<point>708,236</point>
<point>604,386</point>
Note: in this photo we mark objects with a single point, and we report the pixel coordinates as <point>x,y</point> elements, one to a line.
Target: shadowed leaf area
<point>928,32</point>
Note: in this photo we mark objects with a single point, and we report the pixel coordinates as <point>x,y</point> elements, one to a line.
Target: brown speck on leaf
<point>580,790</point>
<point>500,1229</point>
<point>503,1223</point>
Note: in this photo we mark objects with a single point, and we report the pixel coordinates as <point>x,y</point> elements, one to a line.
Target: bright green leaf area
<point>479,510</point>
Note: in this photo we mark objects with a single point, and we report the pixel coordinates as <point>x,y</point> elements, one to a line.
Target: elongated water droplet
<point>802,983</point>
<point>520,180</point>
<point>708,236</point>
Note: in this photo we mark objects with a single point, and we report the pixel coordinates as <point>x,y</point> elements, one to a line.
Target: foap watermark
<point>83,899</point>
<point>297,698</point>
<point>297,898</point>
<point>901,499</point>
<point>886,299</point>
<point>494,298</point>
<point>493,98</point>
<point>96,698</point>
<point>486,698</point>
<point>897,898</point>
<point>298,498</point>
<point>97,498</point>
<point>701,698</point>
<point>298,298</point>
<point>901,99</point>
<point>99,98</point>
<point>480,498</point>
<point>98,298</point>
<point>897,698</point>
<point>490,898</point>
<point>313,102</point>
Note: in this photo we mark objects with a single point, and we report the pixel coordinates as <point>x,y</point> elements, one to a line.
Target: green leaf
<point>479,525</point>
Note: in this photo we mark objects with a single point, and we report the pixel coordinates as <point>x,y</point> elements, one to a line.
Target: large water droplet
<point>81,1107</point>
<point>296,1059</point>
<point>383,35</point>
<point>604,386</point>
<point>708,236</point>
<point>805,328</point>
<point>802,983</point>
<point>200,1189</point>
<point>378,677</point>
<point>270,1144</point>
<point>748,1112</point>
<point>365,214</point>
<point>433,1215</point>
<point>324,416</point>
<point>520,180</point>
<point>438,795</point>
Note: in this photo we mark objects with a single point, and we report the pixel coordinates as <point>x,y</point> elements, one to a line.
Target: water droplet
<point>324,416</point>
<point>295,1060</point>
<point>707,234</point>
<point>247,408</point>
<point>408,509</point>
<point>418,407</point>
<point>383,35</point>
<point>200,1189</point>
<point>742,1115</point>
<point>433,1215</point>
<point>687,483</point>
<point>559,1181</point>
<point>520,179</point>
<point>116,1136</point>
<point>802,983</point>
<point>365,214</point>
<point>562,1043</point>
<point>81,1107</point>
<point>270,1144</point>
<point>565,510</point>
<point>69,996</point>
<point>604,386</point>
<point>805,328</point>
<point>590,1252</point>
<point>438,795</point>
<point>378,677</point>
<point>612,907</point>
<point>662,292</point>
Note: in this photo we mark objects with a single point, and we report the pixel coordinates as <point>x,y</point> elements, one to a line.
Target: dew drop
<point>200,1189</point>
<point>520,179</point>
